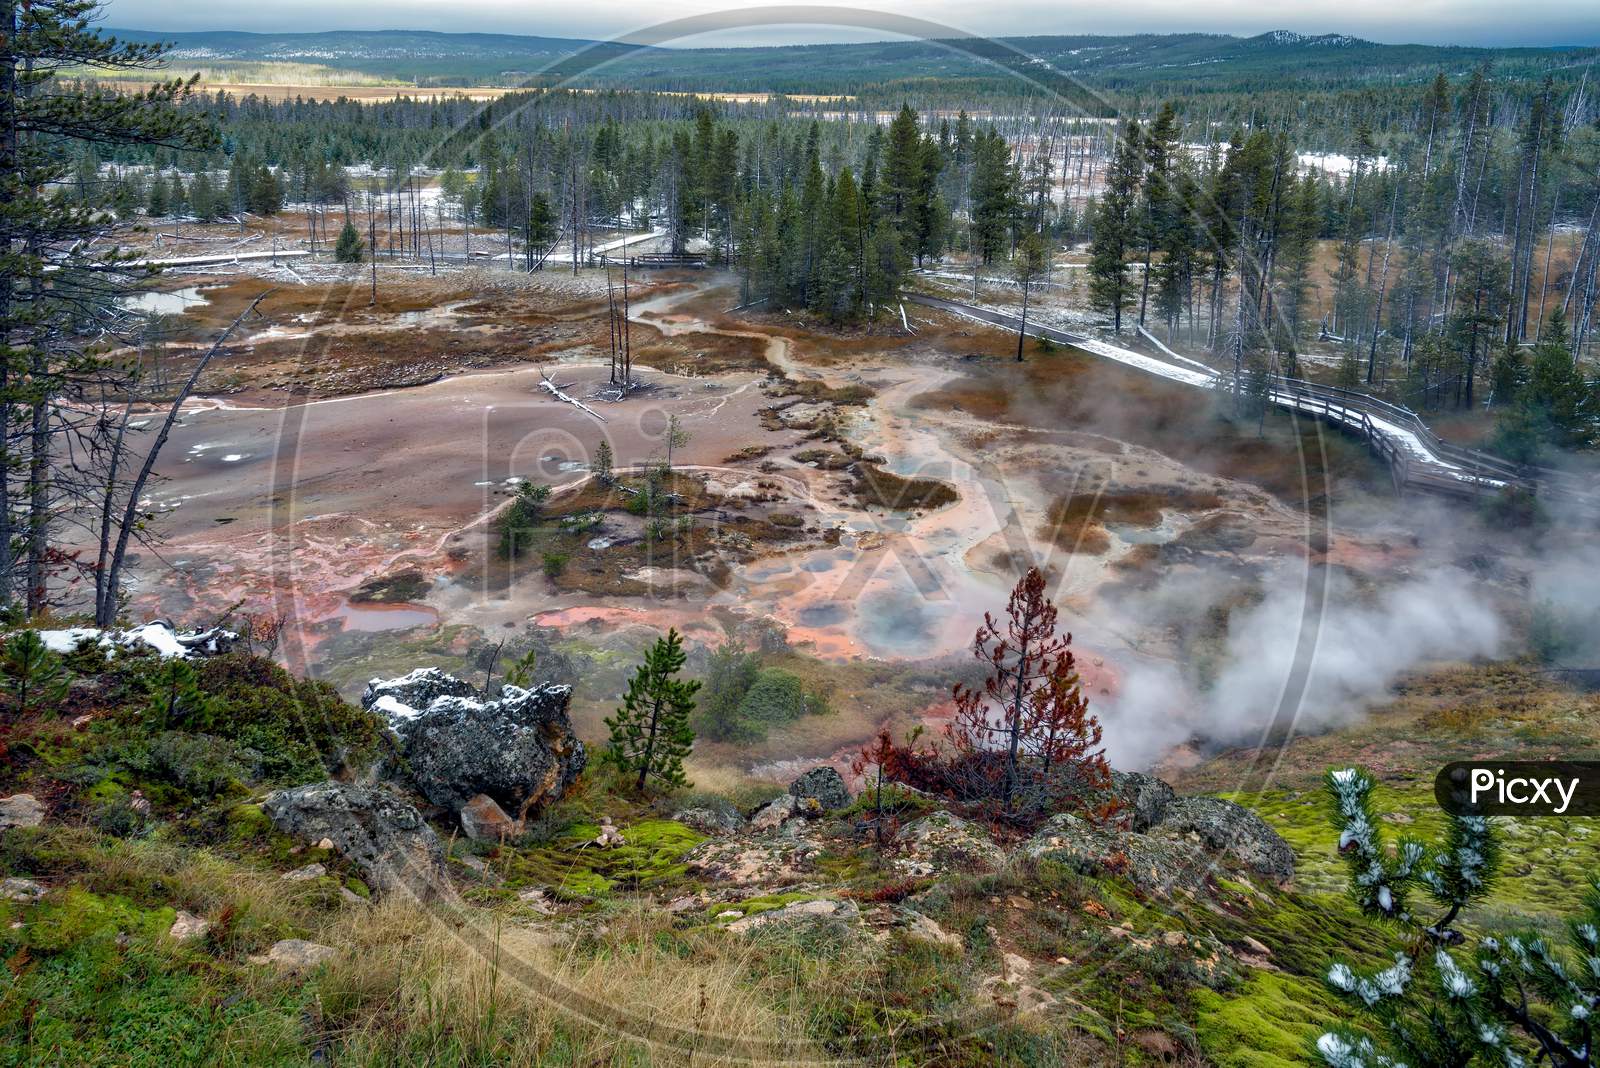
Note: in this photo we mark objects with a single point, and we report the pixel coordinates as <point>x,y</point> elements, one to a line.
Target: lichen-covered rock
<point>15,889</point>
<point>306,874</point>
<point>408,696</point>
<point>1226,827</point>
<point>715,817</point>
<point>20,810</point>
<point>1156,864</point>
<point>940,843</point>
<point>823,909</point>
<point>825,785</point>
<point>779,860</point>
<point>296,955</point>
<point>518,748</point>
<point>382,835</point>
<point>1142,799</point>
<point>187,927</point>
<point>773,814</point>
<point>924,928</point>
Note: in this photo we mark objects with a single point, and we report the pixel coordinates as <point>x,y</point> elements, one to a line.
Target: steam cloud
<point>1566,606</point>
<point>1356,649</point>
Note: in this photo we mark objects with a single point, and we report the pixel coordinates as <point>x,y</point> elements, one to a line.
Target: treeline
<point>1459,214</point>
<point>1445,265</point>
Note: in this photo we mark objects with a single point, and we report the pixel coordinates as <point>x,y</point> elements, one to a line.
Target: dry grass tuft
<point>412,985</point>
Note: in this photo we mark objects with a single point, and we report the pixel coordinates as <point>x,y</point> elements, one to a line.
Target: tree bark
<point>131,513</point>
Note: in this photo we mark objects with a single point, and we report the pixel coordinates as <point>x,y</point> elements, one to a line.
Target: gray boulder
<point>1233,829</point>
<point>825,785</point>
<point>382,835</point>
<point>714,816</point>
<point>408,696</point>
<point>772,815</point>
<point>942,842</point>
<point>518,748</point>
<point>20,810</point>
<point>1143,799</point>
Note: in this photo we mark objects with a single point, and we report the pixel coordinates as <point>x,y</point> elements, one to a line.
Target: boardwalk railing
<point>651,260</point>
<point>1386,426</point>
<point>1418,458</point>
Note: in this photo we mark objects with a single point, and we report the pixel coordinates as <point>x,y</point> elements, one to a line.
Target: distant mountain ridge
<point>1203,60</point>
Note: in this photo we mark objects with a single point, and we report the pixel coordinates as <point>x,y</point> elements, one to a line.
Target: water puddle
<point>174,303</point>
<point>368,618</point>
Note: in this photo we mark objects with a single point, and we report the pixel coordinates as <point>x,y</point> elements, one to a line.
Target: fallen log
<point>551,388</point>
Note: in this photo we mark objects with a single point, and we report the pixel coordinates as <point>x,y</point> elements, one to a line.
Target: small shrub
<point>555,563</point>
<point>777,696</point>
<point>34,675</point>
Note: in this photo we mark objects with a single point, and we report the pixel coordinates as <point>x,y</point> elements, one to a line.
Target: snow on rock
<point>411,694</point>
<point>158,635</point>
<point>517,747</point>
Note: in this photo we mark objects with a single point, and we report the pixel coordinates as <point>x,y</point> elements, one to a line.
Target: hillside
<point>1199,62</point>
<point>234,880</point>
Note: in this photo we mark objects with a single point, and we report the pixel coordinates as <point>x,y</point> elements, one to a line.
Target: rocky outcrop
<point>1232,829</point>
<point>820,909</point>
<point>714,817</point>
<point>383,836</point>
<point>518,748</point>
<point>1164,843</point>
<point>1142,799</point>
<point>409,696</point>
<point>20,810</point>
<point>773,814</point>
<point>825,785</point>
<point>778,860</point>
<point>941,843</point>
<point>295,955</point>
<point>1156,864</point>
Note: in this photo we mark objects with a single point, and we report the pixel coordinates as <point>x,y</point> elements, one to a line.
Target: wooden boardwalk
<point>1419,460</point>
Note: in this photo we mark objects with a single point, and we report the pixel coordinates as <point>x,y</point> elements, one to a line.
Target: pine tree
<point>56,276</point>
<point>33,674</point>
<point>1025,739</point>
<point>350,248</point>
<point>1456,994</point>
<point>540,231</point>
<point>203,198</point>
<point>264,192</point>
<point>1116,230</point>
<point>602,466</point>
<point>1157,214</point>
<point>993,196</point>
<point>1031,261</point>
<point>1555,408</point>
<point>155,203</point>
<point>650,733</point>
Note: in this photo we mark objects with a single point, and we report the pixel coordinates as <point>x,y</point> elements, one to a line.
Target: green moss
<point>651,856</point>
<point>246,822</point>
<point>757,905</point>
<point>1546,871</point>
<point>1270,1023</point>
<point>75,916</point>
<point>94,980</point>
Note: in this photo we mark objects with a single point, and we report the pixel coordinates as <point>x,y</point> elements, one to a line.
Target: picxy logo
<point>1519,788</point>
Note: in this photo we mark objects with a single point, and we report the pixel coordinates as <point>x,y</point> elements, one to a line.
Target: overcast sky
<point>1534,22</point>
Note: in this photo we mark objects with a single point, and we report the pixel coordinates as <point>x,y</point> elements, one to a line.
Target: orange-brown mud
<point>305,509</point>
